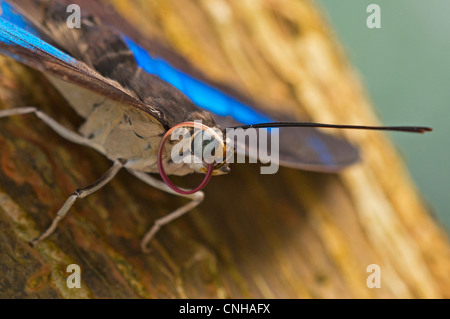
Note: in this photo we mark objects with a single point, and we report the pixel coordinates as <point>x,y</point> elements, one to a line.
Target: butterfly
<point>131,91</point>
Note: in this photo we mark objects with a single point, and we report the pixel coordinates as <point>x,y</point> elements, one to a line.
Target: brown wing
<point>100,50</point>
<point>306,148</point>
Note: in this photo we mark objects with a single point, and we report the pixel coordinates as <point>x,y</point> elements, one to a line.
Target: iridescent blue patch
<point>15,30</point>
<point>202,94</point>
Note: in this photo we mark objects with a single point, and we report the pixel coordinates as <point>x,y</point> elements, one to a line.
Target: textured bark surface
<point>291,235</point>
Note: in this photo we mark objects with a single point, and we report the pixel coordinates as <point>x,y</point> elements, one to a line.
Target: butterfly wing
<point>28,48</point>
<point>35,32</point>
<point>307,148</point>
<point>301,148</point>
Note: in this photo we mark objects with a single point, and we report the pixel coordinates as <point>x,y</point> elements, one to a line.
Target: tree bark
<point>290,235</point>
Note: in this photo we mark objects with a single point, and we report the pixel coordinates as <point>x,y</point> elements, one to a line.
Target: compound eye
<point>210,166</point>
<point>208,145</point>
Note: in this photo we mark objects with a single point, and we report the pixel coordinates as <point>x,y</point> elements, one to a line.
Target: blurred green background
<point>405,67</point>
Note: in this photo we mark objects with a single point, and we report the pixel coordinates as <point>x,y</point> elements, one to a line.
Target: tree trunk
<point>290,235</point>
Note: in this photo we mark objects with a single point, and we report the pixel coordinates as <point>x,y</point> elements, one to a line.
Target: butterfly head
<point>206,152</point>
<point>209,147</point>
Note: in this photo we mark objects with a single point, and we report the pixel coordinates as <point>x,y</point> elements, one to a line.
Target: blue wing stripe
<point>211,98</point>
<point>12,34</point>
<point>9,13</point>
<point>15,30</point>
<point>200,93</point>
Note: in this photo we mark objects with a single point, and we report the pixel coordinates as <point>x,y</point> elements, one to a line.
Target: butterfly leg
<point>58,128</point>
<point>196,199</point>
<point>80,193</point>
<point>75,138</point>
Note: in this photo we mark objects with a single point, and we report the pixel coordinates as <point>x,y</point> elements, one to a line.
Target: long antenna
<point>409,129</point>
